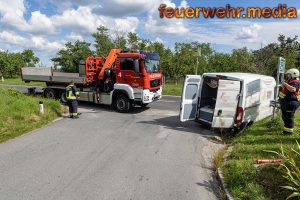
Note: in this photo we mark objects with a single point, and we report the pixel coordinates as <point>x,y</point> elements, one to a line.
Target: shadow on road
<point>96,108</point>
<point>209,186</point>
<point>173,123</point>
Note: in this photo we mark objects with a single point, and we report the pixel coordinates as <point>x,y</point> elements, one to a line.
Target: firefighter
<point>289,99</point>
<point>72,95</point>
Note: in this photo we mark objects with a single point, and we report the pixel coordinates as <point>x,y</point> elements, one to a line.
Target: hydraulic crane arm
<point>111,58</point>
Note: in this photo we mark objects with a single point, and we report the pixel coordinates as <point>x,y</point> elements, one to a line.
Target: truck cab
<point>142,72</point>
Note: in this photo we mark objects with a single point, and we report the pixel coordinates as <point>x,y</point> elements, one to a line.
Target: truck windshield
<point>152,66</point>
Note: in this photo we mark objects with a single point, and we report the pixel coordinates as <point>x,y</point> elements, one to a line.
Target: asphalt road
<point>105,155</point>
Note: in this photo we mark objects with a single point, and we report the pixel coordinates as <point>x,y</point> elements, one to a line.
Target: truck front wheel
<point>122,104</point>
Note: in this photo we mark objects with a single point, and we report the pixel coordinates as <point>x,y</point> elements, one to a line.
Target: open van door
<point>189,99</point>
<point>226,104</point>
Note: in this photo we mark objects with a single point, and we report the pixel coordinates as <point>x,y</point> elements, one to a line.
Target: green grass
<point>20,114</point>
<point>243,179</point>
<point>172,89</point>
<point>18,81</point>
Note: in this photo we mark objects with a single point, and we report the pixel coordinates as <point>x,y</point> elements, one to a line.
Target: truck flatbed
<point>48,75</point>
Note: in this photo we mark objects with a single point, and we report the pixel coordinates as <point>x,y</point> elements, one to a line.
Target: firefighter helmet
<point>293,73</point>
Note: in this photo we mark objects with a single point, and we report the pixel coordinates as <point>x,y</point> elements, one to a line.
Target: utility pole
<point>197,61</point>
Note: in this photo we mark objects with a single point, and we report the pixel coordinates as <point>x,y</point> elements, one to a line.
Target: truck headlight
<point>146,98</point>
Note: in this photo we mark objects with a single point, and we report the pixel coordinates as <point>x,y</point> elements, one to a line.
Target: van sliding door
<point>226,104</point>
<point>189,100</point>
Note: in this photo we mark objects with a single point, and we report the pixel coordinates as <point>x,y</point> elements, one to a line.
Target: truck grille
<point>155,83</point>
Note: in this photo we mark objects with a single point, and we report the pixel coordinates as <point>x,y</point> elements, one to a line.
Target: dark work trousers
<point>288,109</point>
<point>73,105</point>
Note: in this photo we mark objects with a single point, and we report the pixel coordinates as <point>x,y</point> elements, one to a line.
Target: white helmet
<point>293,73</point>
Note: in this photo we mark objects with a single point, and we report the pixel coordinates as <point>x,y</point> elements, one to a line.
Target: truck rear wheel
<point>122,104</point>
<point>49,93</point>
<point>62,96</point>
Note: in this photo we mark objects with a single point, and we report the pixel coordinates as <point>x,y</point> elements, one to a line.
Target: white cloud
<point>74,36</point>
<point>40,23</point>
<point>158,39</point>
<point>12,38</point>
<point>34,42</point>
<point>81,19</point>
<point>12,13</point>
<point>158,25</point>
<point>117,8</point>
<point>249,32</point>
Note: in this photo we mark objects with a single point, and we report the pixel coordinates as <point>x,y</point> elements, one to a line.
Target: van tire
<point>122,104</point>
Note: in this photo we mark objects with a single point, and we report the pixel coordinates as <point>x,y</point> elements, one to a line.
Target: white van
<point>227,100</point>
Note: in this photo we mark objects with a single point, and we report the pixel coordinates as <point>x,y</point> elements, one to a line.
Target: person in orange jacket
<point>289,99</point>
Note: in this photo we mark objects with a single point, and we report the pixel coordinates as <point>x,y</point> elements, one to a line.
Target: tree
<point>133,41</point>
<point>120,41</point>
<point>103,41</point>
<point>14,64</point>
<point>3,62</point>
<point>29,58</point>
<point>70,57</point>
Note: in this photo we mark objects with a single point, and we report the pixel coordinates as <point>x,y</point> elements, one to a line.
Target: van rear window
<point>191,91</point>
<point>253,87</point>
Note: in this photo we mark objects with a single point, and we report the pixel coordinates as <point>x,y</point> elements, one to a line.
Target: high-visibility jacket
<point>71,92</point>
<point>283,92</point>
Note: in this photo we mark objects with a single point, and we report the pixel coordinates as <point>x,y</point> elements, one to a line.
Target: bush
<point>290,169</point>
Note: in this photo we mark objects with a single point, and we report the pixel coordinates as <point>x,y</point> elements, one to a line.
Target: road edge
<point>32,131</point>
<point>223,184</point>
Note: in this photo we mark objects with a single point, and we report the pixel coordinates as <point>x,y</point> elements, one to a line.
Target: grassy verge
<point>172,89</point>
<point>243,179</point>
<point>18,81</point>
<point>20,114</point>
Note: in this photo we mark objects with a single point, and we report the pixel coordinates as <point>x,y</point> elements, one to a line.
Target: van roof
<point>242,76</point>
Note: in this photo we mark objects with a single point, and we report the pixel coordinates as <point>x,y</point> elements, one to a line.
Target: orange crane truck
<point>123,79</point>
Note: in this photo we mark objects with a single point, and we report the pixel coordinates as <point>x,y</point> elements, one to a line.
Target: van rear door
<point>189,99</point>
<point>226,104</point>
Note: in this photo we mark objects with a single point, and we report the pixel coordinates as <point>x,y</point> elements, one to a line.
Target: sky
<point>46,25</point>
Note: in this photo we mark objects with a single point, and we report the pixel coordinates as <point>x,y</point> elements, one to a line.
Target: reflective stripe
<point>288,129</point>
<point>69,93</point>
<point>281,95</point>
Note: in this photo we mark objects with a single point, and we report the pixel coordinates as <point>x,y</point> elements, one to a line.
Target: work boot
<point>75,117</point>
<point>287,132</point>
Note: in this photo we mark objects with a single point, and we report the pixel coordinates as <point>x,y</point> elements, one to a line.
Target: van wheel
<point>49,93</point>
<point>62,96</point>
<point>122,104</point>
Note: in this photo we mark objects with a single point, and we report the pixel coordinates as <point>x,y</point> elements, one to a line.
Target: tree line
<point>183,58</point>
<point>11,63</point>
<point>175,62</point>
